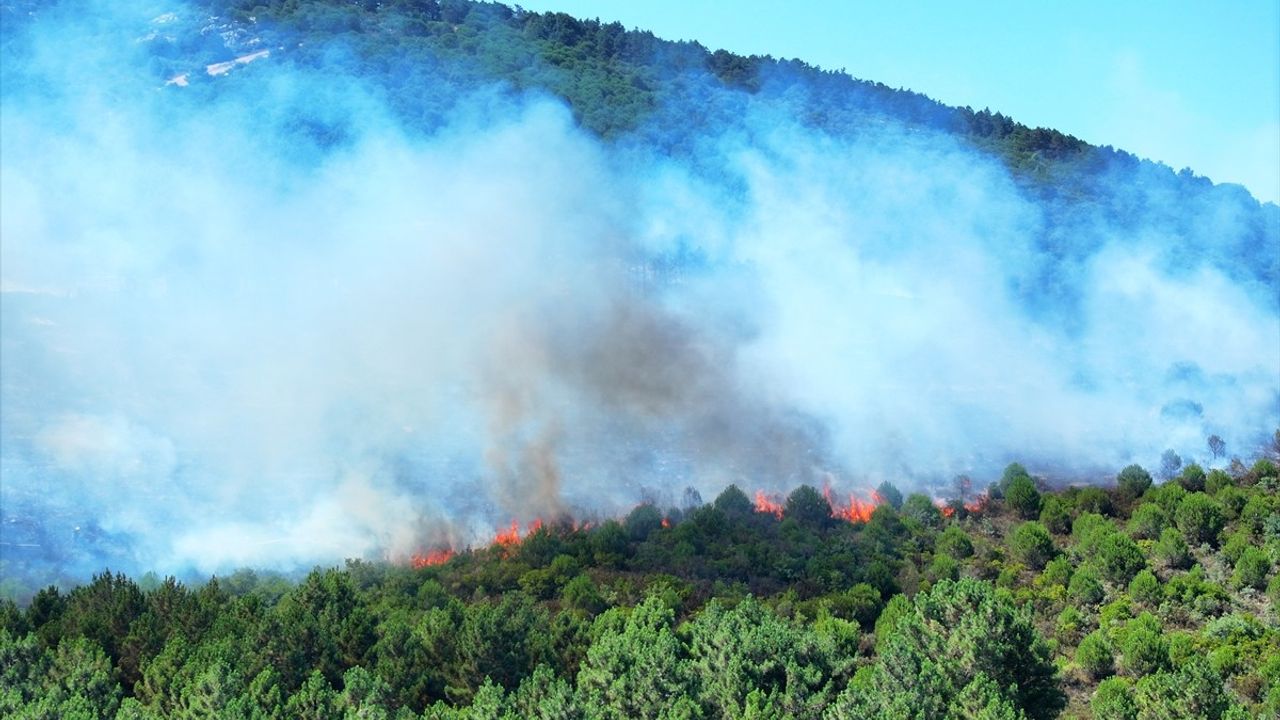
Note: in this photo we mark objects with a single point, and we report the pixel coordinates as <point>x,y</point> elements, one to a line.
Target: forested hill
<point>1141,602</point>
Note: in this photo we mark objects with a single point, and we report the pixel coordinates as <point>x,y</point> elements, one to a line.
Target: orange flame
<point>432,557</point>
<point>858,510</point>
<point>666,522</point>
<point>765,504</point>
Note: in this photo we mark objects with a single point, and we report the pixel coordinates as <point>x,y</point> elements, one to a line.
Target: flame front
<point>431,557</point>
<point>766,504</point>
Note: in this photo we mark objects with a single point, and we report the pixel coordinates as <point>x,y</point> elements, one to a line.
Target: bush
<point>944,567</point>
<point>1094,500</point>
<point>1171,550</point>
<point>1023,498</point>
<point>1113,700</point>
<point>1094,655</point>
<point>1133,481</point>
<point>1120,558</point>
<point>955,542</point>
<point>922,509</point>
<point>1167,496</point>
<point>1145,588</point>
<point>1088,530</point>
<point>1200,518</point>
<point>1251,569</point>
<point>1148,520</point>
<point>1217,480</point>
<point>1032,544</point>
<point>1143,651</point>
<point>1192,478</point>
<point>1054,516</point>
<point>1056,572</point>
<point>890,494</point>
<point>1085,587</point>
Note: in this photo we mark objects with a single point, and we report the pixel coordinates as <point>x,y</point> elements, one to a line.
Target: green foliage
<point>1054,516</point>
<point>1022,497</point>
<point>636,665</point>
<point>1086,587</point>
<point>1145,588</point>
<point>1143,651</point>
<point>961,639</point>
<point>1216,480</point>
<point>955,542</point>
<point>1120,558</point>
<point>890,494</point>
<point>1200,518</point>
<point>1032,544</point>
<point>1148,521</point>
<point>1193,692</point>
<point>1192,478</point>
<point>1095,656</point>
<point>1171,550</point>
<point>1251,569</point>
<point>921,509</point>
<point>1133,481</point>
<point>735,652</point>
<point>1113,700</point>
<point>809,508</point>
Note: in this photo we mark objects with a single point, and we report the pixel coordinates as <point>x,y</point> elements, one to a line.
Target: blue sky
<point>1190,84</point>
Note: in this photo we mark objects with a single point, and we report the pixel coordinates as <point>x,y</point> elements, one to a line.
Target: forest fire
<point>857,510</point>
<point>766,504</point>
<point>431,558</point>
<point>511,535</point>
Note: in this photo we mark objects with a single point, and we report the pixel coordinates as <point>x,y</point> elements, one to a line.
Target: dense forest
<point>1141,600</point>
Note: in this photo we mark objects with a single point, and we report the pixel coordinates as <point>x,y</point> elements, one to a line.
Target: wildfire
<point>766,504</point>
<point>431,557</point>
<point>666,522</point>
<point>858,510</point>
<point>510,535</point>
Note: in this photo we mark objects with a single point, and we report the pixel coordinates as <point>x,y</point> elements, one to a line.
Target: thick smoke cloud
<point>225,344</point>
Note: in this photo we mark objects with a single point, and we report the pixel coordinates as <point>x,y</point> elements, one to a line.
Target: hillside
<point>1140,601</point>
<point>486,302</point>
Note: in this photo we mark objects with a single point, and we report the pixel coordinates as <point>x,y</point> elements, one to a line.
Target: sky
<point>1189,84</point>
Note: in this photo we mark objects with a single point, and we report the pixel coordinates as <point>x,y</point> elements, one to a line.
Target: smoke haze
<point>225,344</point>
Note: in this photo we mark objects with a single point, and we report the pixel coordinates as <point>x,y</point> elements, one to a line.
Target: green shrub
<point>1120,558</point>
<point>944,567</point>
<point>1054,516</point>
<point>1086,587</point>
<point>1143,651</point>
<point>1251,569</point>
<point>1022,496</point>
<point>1168,496</point>
<point>1095,656</point>
<point>1113,700</point>
<point>1094,500</point>
<point>1192,478</point>
<point>1145,588</point>
<point>1070,622</point>
<point>1133,481</point>
<point>920,508</point>
<point>1056,572</point>
<point>1200,518</point>
<point>1256,511</point>
<point>1171,550</point>
<point>1088,529</point>
<point>955,542</point>
<point>1148,520</point>
<point>1216,480</point>
<point>1032,544</point>
<point>1232,501</point>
